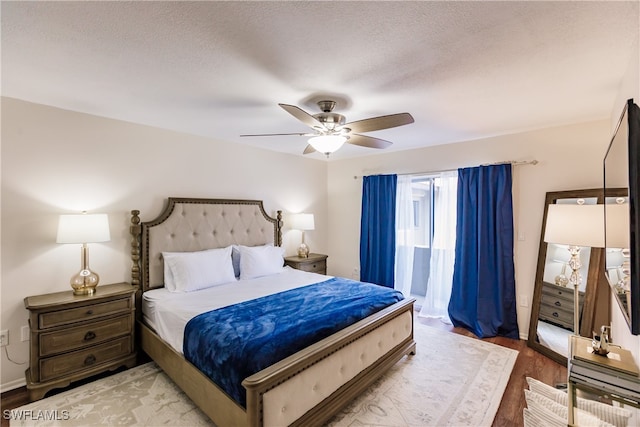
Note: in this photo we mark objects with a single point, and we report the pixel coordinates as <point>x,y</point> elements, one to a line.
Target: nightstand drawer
<point>88,312</point>
<point>557,303</point>
<point>556,315</point>
<point>65,364</point>
<point>316,267</point>
<point>74,338</point>
<point>557,292</point>
<point>314,263</point>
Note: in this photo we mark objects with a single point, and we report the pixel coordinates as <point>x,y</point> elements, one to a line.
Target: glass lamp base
<point>303,251</point>
<point>85,282</point>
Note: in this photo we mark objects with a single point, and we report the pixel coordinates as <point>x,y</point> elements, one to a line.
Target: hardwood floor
<point>12,399</point>
<point>528,364</point>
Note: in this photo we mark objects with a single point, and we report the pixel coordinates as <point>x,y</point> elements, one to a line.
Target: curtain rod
<point>511,162</point>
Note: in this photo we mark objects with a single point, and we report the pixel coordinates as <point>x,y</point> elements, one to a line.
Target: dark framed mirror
<point>552,307</point>
<point>622,168</point>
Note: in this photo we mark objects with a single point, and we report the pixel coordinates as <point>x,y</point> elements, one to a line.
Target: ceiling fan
<point>330,130</point>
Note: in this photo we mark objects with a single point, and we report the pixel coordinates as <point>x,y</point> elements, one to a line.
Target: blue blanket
<point>231,343</point>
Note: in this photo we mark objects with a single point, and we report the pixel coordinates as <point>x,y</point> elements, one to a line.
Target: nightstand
<point>314,263</point>
<point>557,304</point>
<point>74,337</point>
<point>614,376</point>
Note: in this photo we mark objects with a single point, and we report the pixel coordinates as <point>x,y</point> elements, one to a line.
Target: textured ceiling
<point>464,70</point>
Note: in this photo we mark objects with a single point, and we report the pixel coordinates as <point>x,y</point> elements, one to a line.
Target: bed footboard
<point>312,385</point>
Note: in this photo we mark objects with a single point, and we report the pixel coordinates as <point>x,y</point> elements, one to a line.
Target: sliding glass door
<point>422,191</point>
<point>426,248</point>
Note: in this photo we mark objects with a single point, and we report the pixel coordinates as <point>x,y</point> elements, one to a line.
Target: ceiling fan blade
<point>382,122</point>
<point>280,134</point>
<point>368,141</point>
<point>303,116</point>
<point>309,149</point>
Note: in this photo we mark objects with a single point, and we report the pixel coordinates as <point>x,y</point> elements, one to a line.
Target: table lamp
<point>83,229</point>
<point>575,225</point>
<point>302,222</point>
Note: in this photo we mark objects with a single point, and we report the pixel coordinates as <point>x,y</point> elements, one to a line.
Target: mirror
<point>617,254</point>
<point>552,306</point>
<point>622,216</point>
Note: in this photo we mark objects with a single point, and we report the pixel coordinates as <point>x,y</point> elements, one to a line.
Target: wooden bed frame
<point>307,388</point>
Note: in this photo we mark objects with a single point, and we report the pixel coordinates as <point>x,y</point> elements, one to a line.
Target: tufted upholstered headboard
<point>188,224</point>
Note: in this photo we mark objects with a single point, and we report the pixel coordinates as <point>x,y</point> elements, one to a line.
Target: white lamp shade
<point>575,225</point>
<point>617,232</point>
<point>83,228</point>
<point>327,143</point>
<point>302,221</point>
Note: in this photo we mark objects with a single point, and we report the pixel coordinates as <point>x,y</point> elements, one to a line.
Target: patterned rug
<point>452,380</point>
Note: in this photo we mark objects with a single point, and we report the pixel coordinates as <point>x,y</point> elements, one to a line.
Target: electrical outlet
<point>24,333</point>
<point>524,301</point>
<point>4,338</point>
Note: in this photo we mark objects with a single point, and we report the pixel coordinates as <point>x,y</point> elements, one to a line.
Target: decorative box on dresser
<point>314,263</point>
<point>557,304</point>
<point>76,336</point>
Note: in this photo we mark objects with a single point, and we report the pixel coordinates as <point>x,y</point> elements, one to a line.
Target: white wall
<point>570,158</point>
<point>56,161</point>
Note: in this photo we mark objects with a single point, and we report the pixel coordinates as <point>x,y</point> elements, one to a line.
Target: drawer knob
<point>557,303</point>
<point>90,360</point>
<point>555,314</point>
<point>89,312</point>
<point>89,336</point>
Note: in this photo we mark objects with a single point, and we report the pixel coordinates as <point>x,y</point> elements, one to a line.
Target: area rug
<point>452,380</point>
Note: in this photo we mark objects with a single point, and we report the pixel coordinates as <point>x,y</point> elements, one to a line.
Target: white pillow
<point>547,416</point>
<point>546,390</point>
<point>257,261</point>
<point>190,271</point>
<point>610,414</point>
<point>556,414</point>
<point>532,420</point>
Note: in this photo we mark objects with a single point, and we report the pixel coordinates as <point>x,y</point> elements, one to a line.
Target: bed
<point>307,387</point>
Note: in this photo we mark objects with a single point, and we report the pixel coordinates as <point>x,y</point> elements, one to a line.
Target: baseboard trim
<point>11,385</point>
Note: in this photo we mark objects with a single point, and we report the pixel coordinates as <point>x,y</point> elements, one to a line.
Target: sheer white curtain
<point>436,301</point>
<point>404,235</point>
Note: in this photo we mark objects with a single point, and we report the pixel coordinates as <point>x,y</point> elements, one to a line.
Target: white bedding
<point>168,312</point>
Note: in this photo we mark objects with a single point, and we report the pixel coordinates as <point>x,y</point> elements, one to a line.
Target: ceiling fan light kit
<point>327,144</point>
<point>330,130</point>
